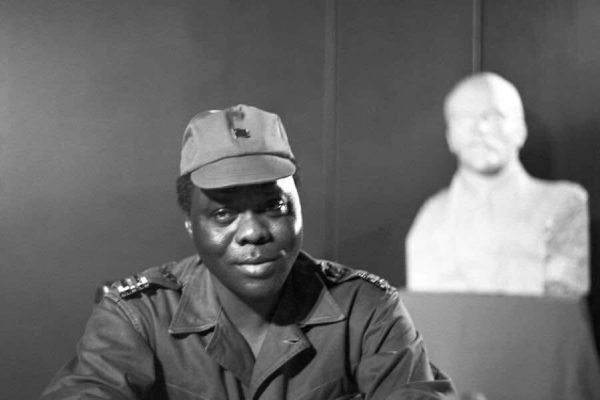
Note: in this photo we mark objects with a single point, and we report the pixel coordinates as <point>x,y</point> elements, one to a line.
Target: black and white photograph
<point>300,200</point>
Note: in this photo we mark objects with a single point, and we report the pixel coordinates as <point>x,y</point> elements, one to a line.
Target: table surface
<point>509,347</point>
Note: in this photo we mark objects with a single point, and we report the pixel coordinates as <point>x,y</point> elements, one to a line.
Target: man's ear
<point>188,227</point>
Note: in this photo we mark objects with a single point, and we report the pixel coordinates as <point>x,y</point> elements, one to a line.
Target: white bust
<point>496,229</point>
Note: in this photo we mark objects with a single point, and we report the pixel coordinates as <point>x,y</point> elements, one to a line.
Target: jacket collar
<point>198,309</point>
<point>305,301</point>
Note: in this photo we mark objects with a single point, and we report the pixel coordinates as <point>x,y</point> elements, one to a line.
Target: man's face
<point>248,236</point>
<point>485,128</point>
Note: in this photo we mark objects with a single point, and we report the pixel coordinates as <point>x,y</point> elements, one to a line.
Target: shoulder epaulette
<point>335,274</point>
<point>375,280</point>
<point>338,273</point>
<point>131,285</point>
<point>138,283</point>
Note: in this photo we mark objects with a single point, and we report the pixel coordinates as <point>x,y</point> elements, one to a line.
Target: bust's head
<point>485,125</point>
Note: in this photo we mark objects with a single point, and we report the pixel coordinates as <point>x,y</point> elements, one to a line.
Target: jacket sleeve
<point>394,363</point>
<point>113,359</point>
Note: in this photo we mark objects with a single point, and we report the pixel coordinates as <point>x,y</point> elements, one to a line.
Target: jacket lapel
<point>198,309</point>
<point>305,302</point>
<point>199,312</point>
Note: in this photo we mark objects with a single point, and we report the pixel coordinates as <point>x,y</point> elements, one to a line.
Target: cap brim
<point>244,170</point>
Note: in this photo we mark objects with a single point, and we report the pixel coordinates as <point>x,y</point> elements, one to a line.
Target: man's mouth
<point>257,265</point>
<point>255,259</point>
<point>257,270</point>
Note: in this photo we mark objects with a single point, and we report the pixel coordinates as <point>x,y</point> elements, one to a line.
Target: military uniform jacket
<point>337,333</point>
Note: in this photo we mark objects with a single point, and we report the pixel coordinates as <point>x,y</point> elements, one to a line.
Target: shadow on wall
<point>594,296</point>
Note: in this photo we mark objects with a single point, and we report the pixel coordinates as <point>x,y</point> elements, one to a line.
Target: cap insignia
<point>241,133</point>
<point>233,115</point>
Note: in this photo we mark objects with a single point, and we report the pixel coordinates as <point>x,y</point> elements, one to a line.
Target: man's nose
<point>252,229</point>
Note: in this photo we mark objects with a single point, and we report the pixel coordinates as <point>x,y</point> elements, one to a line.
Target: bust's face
<point>485,127</point>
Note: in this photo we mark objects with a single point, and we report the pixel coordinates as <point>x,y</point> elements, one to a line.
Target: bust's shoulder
<point>438,199</point>
<point>562,192</point>
<point>434,205</point>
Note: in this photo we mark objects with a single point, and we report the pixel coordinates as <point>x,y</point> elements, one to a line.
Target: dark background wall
<point>94,96</point>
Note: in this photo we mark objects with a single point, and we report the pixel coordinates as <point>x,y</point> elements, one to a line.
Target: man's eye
<point>277,206</point>
<point>223,215</point>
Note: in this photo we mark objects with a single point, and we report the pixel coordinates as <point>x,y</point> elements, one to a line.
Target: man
<point>250,316</point>
<point>496,229</point>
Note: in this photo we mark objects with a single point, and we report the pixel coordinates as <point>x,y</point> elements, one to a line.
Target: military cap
<point>240,145</point>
